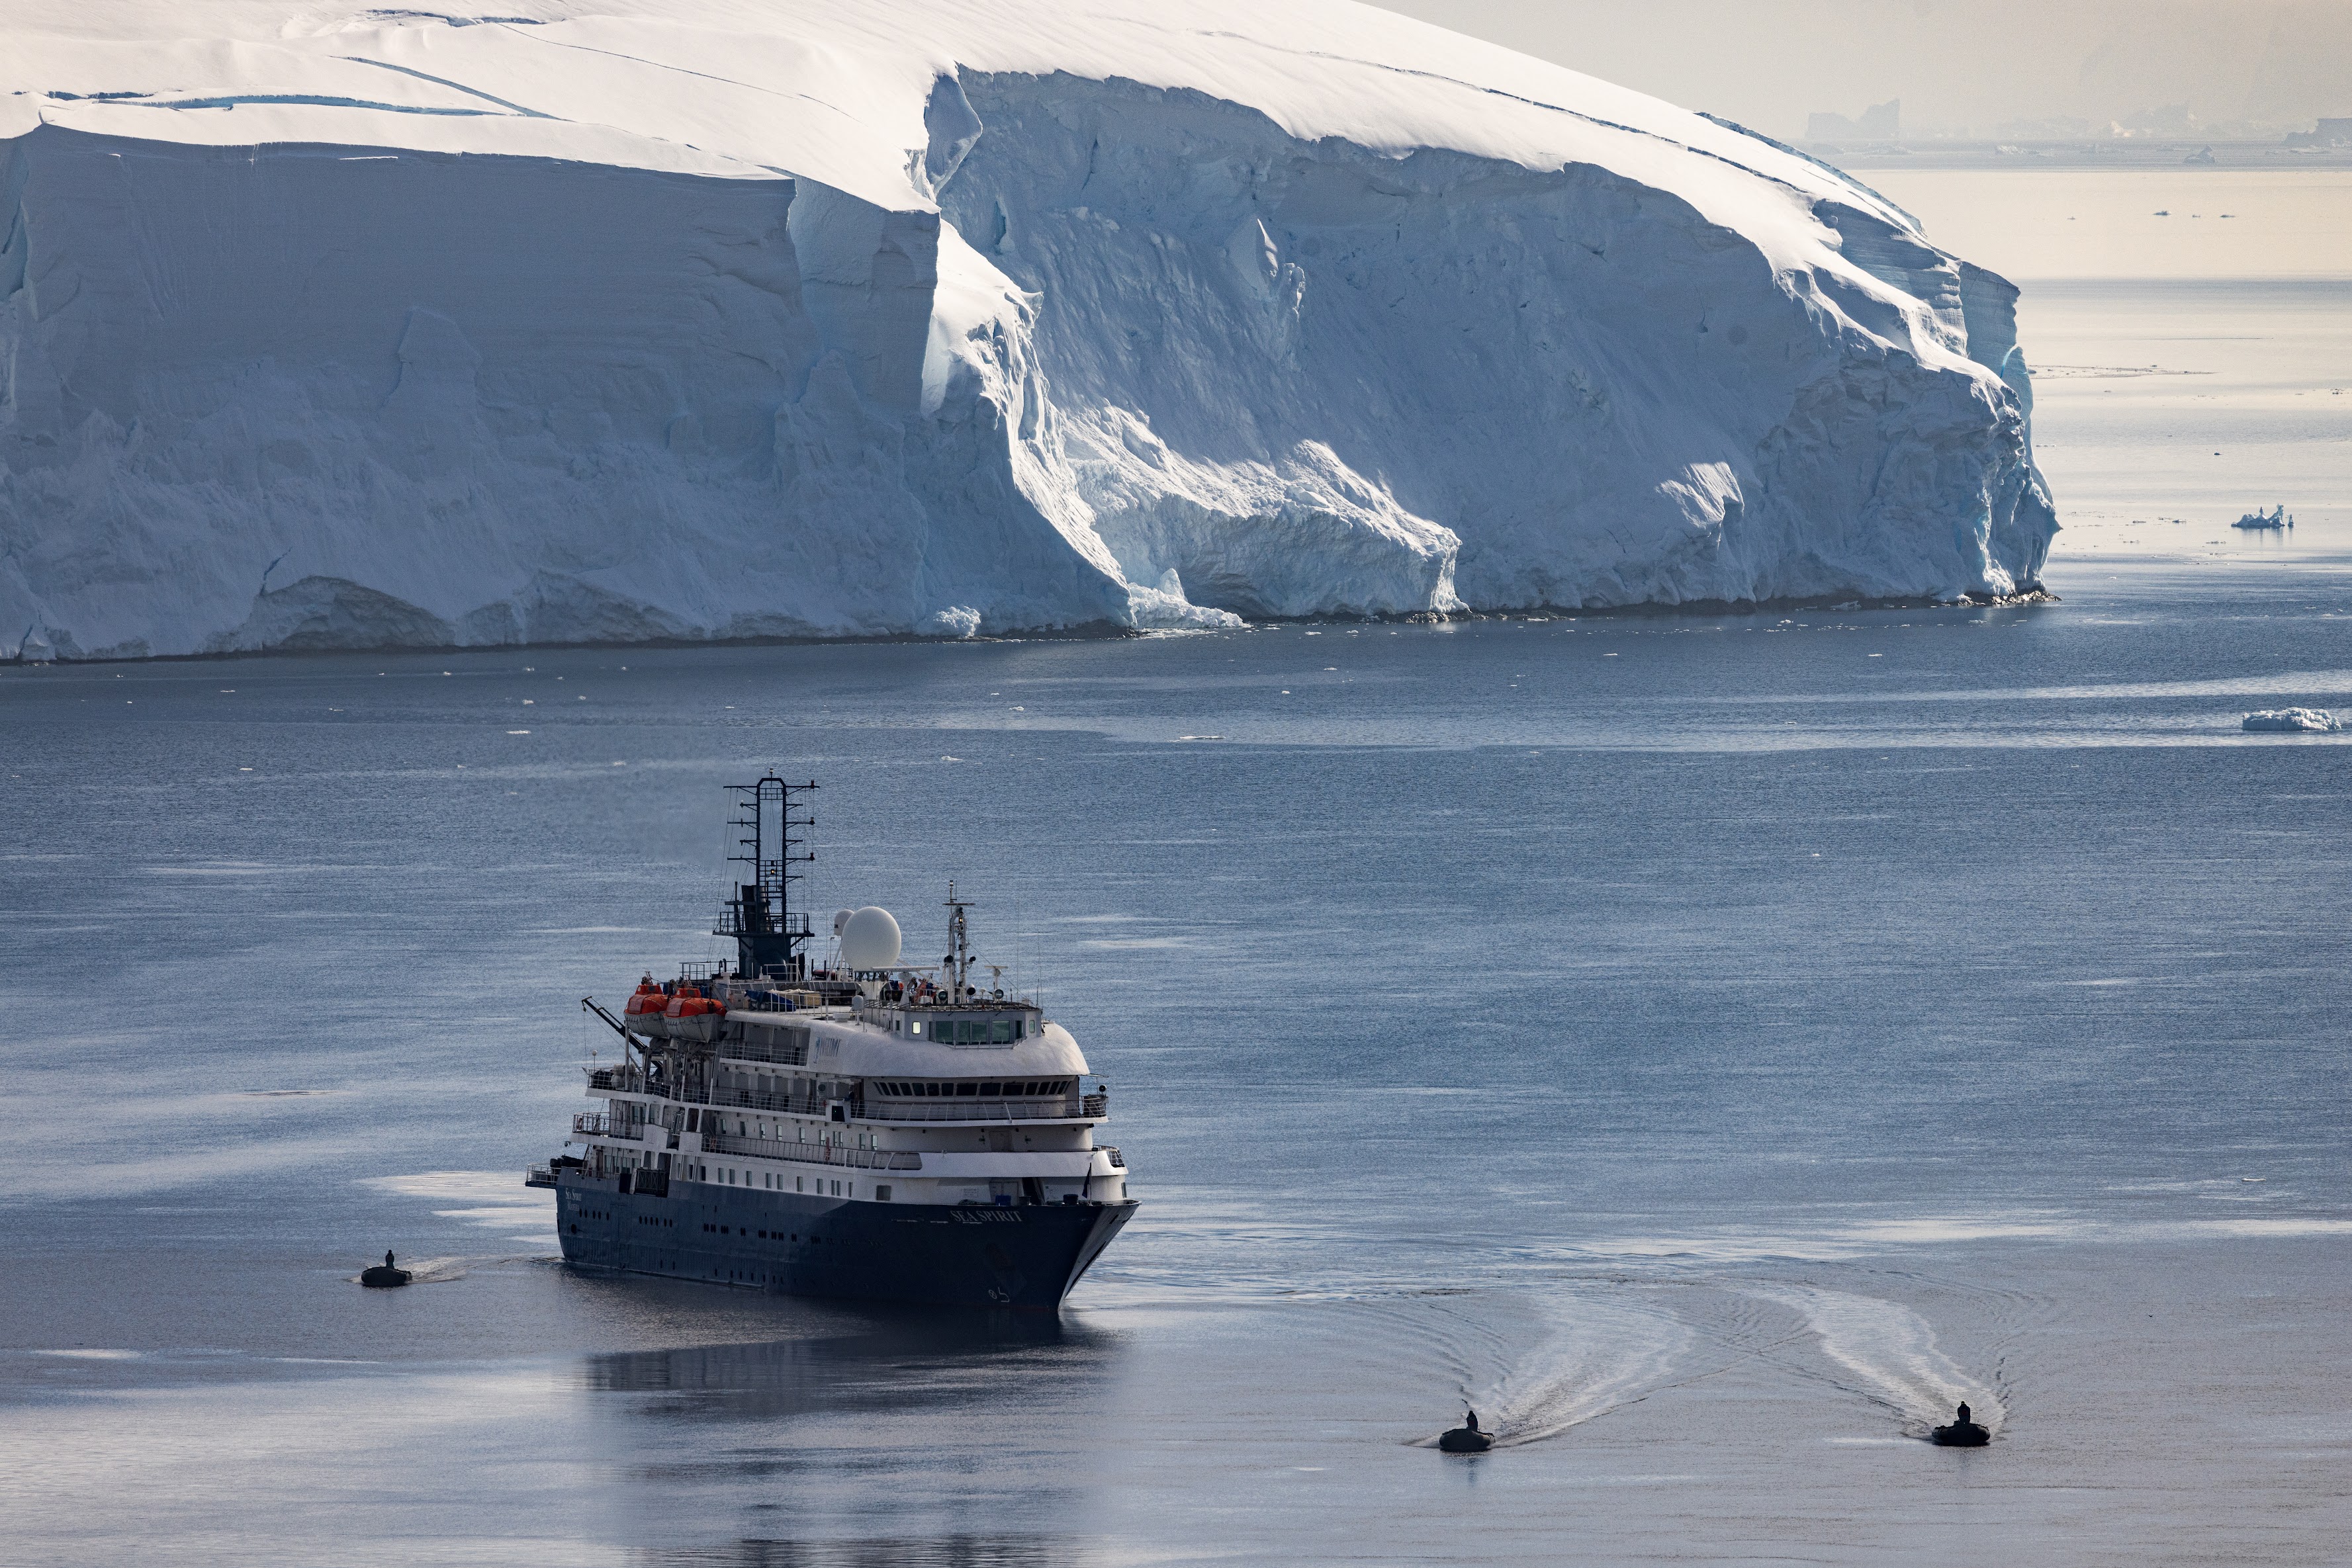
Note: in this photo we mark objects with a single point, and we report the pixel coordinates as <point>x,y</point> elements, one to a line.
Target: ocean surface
<point>1709,1046</point>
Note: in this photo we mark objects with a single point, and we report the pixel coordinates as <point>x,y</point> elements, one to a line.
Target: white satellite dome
<point>869,939</point>
<point>840,919</point>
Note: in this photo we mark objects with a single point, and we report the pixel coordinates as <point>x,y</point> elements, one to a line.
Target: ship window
<point>967,1088</point>
<point>798,1184</point>
<point>1001,1031</point>
<point>915,1027</point>
<point>882,1193</point>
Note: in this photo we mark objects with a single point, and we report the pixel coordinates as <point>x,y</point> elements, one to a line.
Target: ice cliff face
<point>703,321</point>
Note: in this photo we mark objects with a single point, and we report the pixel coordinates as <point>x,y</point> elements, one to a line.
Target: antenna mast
<point>759,915</point>
<point>958,957</point>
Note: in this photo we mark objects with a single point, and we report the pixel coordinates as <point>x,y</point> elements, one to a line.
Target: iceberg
<point>684,319</point>
<point>2306,720</point>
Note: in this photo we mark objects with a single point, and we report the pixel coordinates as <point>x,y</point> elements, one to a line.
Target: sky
<point>1976,69</point>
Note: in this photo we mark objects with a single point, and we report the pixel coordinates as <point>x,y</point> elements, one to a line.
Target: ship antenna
<point>958,946</point>
<point>758,913</point>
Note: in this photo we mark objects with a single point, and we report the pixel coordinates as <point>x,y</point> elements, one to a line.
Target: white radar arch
<point>869,939</point>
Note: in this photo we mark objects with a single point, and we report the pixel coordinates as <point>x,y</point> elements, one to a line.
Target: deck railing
<point>597,1125</point>
<point>784,1053</point>
<point>877,1108</point>
<point>815,1154</point>
<point>1060,1110</point>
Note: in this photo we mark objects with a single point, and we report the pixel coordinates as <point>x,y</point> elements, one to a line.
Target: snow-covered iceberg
<point>2294,720</point>
<point>699,319</point>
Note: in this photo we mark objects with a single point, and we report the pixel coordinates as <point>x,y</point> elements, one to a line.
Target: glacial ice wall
<point>398,329</point>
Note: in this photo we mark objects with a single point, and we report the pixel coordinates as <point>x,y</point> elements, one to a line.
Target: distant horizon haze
<point>1993,69</point>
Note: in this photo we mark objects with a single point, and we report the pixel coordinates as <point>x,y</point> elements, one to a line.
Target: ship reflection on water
<point>911,1433</point>
<point>905,1551</point>
<point>894,1360</point>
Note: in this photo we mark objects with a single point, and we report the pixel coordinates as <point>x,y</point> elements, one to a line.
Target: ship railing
<point>538,1175</point>
<point>783,1053</point>
<point>746,1098</point>
<point>597,1125</point>
<point>750,1100</point>
<point>1070,1109</point>
<point>1067,1108</point>
<point>813,1153</point>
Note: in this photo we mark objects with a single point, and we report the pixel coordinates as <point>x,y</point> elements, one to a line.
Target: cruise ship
<point>839,1123</point>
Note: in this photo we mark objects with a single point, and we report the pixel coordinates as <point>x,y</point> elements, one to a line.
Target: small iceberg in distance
<point>2275,517</point>
<point>2306,720</point>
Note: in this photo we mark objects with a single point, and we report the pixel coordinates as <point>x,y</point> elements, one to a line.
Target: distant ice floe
<point>2306,720</point>
<point>494,1200</point>
<point>2275,517</point>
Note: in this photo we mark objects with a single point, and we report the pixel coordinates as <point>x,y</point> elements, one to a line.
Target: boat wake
<point>1887,1355</point>
<point>1590,1354</point>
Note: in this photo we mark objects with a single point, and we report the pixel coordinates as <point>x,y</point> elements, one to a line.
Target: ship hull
<point>1024,1258</point>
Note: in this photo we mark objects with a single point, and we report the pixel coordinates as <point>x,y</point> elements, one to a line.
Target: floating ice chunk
<point>2276,518</point>
<point>1165,609</point>
<point>2304,720</point>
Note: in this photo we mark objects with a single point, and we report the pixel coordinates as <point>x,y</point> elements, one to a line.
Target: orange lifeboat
<point>691,1017</point>
<point>645,1010</point>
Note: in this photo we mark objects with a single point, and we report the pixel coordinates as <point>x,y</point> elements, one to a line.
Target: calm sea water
<point>1711,1047</point>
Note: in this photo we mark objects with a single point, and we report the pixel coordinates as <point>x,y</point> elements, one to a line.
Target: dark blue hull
<point>960,1255</point>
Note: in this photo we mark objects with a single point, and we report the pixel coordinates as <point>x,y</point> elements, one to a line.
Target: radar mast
<point>959,958</point>
<point>758,913</point>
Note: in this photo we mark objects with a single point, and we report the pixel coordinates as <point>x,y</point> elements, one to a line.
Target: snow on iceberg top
<point>834,90</point>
